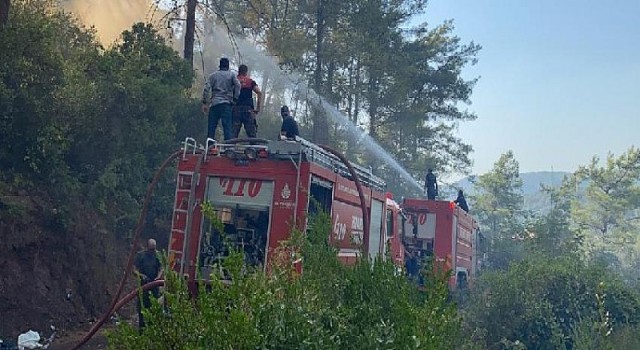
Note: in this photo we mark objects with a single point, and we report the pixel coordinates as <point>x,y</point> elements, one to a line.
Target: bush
<point>550,303</point>
<point>329,306</point>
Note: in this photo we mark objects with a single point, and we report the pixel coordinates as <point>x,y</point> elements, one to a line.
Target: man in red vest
<point>245,112</point>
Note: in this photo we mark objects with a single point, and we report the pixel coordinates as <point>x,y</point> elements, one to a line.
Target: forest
<point>84,124</point>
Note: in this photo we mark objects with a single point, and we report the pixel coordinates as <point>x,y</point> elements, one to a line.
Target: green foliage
<point>627,337</point>
<point>595,213</point>
<point>554,290</point>
<point>142,85</point>
<point>606,205</point>
<point>12,210</point>
<point>595,333</point>
<point>500,198</point>
<point>77,119</point>
<point>328,306</point>
<point>551,234</point>
<point>550,303</point>
<point>498,208</point>
<point>35,46</point>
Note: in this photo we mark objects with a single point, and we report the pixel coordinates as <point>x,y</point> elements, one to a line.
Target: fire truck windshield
<point>243,207</point>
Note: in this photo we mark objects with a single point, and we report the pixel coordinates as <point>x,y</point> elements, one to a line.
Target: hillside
<point>83,130</point>
<point>531,181</point>
<point>58,267</point>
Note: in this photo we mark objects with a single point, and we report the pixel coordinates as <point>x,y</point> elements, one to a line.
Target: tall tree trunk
<point>354,102</point>
<point>373,119</point>
<point>317,74</point>
<point>4,12</point>
<point>350,94</point>
<point>286,11</point>
<point>373,107</point>
<point>329,86</point>
<point>356,107</point>
<point>190,31</point>
<point>320,124</point>
<point>328,91</point>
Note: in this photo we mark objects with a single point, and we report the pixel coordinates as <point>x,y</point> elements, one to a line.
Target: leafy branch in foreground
<point>328,306</point>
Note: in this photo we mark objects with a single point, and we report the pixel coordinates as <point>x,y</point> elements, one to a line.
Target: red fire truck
<point>442,230</point>
<point>260,190</point>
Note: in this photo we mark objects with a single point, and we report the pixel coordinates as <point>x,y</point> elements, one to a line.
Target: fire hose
<point>139,226</point>
<point>363,204</point>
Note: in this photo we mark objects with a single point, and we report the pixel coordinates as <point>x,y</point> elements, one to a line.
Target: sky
<point>559,79</point>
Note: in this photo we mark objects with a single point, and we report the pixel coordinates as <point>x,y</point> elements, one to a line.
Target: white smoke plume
<point>109,17</point>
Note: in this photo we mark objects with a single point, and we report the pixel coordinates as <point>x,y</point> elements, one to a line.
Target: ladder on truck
<point>183,208</point>
<point>181,218</point>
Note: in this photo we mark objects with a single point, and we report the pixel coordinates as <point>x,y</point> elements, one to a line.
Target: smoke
<point>109,17</point>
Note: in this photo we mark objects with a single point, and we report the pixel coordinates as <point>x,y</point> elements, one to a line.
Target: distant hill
<point>533,198</point>
<point>530,181</point>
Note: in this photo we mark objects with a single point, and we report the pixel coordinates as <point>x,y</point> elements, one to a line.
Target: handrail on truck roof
<point>285,149</point>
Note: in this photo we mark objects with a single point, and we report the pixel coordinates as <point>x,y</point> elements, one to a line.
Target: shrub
<point>329,306</point>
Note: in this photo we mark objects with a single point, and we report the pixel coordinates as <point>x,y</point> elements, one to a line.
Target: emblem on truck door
<point>286,192</point>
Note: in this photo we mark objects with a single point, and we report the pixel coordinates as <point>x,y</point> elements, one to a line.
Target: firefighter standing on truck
<point>461,201</point>
<point>431,185</point>
<point>220,92</point>
<point>244,112</point>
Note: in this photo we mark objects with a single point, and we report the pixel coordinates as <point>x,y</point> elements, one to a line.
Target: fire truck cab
<point>260,191</point>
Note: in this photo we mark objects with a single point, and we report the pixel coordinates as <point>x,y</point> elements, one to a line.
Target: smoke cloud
<point>109,17</point>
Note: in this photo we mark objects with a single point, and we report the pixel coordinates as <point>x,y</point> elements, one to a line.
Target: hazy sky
<point>559,79</point>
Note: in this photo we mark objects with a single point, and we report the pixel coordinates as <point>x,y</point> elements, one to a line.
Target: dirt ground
<point>59,270</point>
<point>66,342</point>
